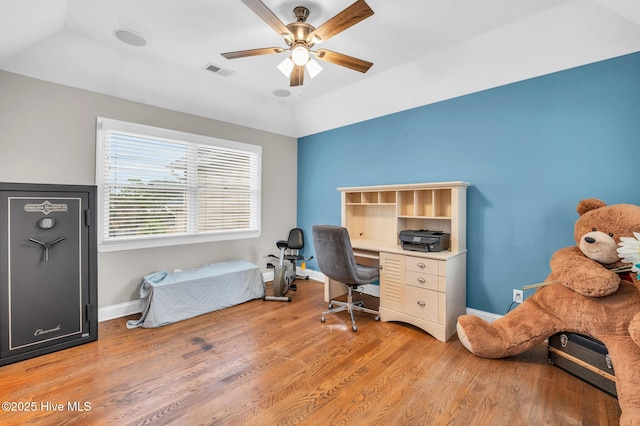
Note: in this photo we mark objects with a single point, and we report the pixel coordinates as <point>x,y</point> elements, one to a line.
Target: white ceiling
<point>423,51</point>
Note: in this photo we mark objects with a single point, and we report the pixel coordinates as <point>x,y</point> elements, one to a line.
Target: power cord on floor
<point>511,306</point>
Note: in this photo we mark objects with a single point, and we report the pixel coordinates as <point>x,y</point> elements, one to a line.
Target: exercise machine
<point>282,279</point>
<point>283,274</point>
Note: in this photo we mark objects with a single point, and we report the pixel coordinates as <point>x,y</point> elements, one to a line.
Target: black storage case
<point>584,357</point>
<point>48,269</point>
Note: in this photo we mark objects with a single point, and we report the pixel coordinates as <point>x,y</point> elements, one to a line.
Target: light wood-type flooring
<point>274,363</point>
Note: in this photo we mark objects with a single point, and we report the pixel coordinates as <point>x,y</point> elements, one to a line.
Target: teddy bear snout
<point>600,247</point>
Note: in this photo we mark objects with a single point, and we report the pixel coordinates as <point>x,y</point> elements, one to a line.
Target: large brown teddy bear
<point>584,297</point>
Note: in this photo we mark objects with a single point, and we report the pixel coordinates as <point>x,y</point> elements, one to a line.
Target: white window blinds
<point>162,187</point>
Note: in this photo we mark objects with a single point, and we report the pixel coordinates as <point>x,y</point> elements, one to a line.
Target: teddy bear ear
<point>589,204</point>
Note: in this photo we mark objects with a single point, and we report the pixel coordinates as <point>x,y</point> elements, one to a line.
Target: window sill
<point>164,241</point>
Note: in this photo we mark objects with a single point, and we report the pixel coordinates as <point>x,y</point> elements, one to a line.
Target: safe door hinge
<point>87,312</point>
<point>87,217</point>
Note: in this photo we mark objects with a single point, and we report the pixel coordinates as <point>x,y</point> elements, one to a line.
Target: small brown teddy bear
<point>584,297</point>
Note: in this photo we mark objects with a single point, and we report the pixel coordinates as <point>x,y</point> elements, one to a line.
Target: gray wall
<point>48,135</point>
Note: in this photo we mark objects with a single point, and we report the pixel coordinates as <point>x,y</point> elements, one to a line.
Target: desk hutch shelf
<point>427,290</point>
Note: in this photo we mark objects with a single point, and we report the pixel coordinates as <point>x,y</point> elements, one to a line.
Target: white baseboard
<point>117,311</point>
<point>130,308</point>
<point>370,289</point>
<point>487,316</point>
<point>313,275</point>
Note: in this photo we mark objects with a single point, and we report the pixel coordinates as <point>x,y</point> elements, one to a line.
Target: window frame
<point>106,244</point>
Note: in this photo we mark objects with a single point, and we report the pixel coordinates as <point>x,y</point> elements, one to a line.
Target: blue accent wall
<point>531,151</point>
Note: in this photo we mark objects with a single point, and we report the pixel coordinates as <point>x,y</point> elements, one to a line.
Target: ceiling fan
<point>301,37</point>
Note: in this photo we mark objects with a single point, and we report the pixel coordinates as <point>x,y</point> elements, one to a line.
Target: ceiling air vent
<point>218,70</point>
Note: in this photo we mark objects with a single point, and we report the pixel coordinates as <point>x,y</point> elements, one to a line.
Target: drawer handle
<point>421,265</point>
<point>421,303</point>
<point>422,280</point>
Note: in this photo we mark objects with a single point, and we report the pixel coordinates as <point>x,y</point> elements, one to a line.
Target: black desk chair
<point>336,261</point>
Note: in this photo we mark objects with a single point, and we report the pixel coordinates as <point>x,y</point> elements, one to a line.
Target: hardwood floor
<point>269,363</point>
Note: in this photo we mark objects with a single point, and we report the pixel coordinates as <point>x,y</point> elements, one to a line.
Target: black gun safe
<point>48,269</point>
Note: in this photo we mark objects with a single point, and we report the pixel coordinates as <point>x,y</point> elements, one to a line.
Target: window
<point>159,187</point>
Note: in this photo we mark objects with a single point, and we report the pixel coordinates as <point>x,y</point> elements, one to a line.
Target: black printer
<point>424,240</point>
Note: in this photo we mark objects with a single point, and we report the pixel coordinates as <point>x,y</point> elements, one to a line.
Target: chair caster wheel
<point>322,319</point>
<point>377,318</point>
<point>354,328</point>
<point>330,305</point>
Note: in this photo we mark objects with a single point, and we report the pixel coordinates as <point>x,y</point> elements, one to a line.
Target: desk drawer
<point>422,303</point>
<point>420,264</point>
<point>421,280</point>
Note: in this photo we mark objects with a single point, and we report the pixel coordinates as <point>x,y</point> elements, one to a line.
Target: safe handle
<point>47,246</point>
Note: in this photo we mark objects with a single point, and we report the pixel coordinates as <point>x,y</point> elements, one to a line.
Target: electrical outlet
<point>517,296</point>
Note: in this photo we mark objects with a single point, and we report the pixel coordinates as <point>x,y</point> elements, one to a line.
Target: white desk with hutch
<point>426,289</point>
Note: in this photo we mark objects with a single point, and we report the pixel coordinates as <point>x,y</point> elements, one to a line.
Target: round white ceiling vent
<point>130,37</point>
<point>281,93</point>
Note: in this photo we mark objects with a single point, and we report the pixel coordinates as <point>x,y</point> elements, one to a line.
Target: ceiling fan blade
<point>353,14</point>
<point>252,52</point>
<point>297,76</point>
<point>343,60</point>
<point>267,16</point>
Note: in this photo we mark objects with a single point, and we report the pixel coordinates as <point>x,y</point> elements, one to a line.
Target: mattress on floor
<point>168,297</point>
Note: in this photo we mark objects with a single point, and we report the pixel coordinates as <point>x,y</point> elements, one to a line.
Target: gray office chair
<point>336,260</point>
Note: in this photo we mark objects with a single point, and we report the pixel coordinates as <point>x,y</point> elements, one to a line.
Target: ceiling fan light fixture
<point>286,67</point>
<point>314,68</point>
<point>300,55</point>
<point>288,37</point>
<point>300,37</point>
